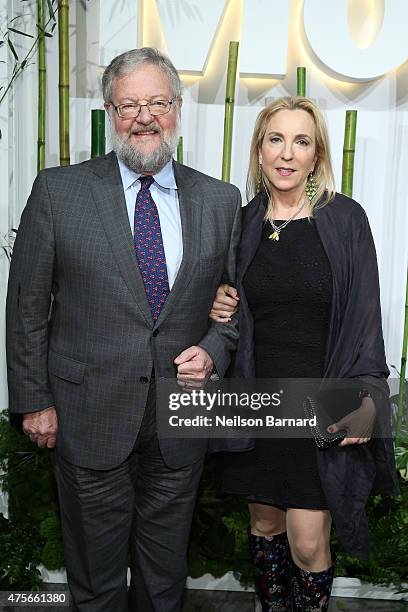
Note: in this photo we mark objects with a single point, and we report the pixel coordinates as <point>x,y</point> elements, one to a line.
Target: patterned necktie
<point>149,248</point>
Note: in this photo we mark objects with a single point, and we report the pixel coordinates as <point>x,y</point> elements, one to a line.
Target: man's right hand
<point>42,427</point>
<point>225,304</point>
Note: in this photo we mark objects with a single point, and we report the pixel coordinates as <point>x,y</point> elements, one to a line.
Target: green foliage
<point>400,410</point>
<point>26,475</point>
<point>219,533</point>
<point>401,460</point>
<point>52,554</point>
<point>19,556</point>
<point>388,524</point>
<point>32,534</point>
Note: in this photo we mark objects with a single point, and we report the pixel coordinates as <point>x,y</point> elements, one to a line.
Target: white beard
<point>145,162</point>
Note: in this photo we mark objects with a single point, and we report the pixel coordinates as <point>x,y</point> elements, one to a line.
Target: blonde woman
<point>308,300</point>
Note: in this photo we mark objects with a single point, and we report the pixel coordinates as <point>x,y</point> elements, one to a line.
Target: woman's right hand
<point>225,304</point>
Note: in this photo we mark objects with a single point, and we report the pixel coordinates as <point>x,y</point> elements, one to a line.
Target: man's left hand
<point>194,367</point>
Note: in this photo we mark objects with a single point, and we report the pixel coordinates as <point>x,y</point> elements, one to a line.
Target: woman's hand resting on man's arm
<point>225,304</point>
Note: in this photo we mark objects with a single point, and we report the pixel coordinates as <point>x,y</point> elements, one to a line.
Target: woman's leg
<point>271,558</point>
<point>313,569</point>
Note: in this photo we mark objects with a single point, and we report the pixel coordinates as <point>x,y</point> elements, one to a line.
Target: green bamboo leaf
<point>14,52</point>
<point>20,32</point>
<point>51,10</point>
<point>14,19</point>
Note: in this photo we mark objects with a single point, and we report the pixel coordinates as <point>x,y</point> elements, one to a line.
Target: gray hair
<point>125,63</point>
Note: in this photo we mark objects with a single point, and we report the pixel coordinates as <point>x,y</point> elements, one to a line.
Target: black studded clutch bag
<point>321,420</point>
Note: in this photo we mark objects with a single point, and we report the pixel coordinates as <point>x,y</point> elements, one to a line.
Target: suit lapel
<point>191,207</point>
<point>111,205</point>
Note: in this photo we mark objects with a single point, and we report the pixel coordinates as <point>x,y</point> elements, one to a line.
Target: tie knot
<point>145,182</point>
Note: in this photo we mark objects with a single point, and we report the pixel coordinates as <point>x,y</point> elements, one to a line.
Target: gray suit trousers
<point>141,502</point>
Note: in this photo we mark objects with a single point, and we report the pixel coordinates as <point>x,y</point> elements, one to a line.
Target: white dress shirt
<point>165,196</point>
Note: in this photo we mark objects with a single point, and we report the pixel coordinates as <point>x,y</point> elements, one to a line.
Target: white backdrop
<point>100,28</point>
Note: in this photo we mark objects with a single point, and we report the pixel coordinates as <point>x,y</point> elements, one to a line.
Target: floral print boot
<point>311,590</point>
<point>272,560</point>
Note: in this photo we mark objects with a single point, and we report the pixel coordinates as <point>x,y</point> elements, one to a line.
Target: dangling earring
<point>311,187</point>
<point>259,178</point>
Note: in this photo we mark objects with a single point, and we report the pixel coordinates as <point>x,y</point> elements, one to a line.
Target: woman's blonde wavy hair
<point>323,172</point>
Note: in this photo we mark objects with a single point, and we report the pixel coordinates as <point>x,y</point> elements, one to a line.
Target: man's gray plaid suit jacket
<point>79,330</point>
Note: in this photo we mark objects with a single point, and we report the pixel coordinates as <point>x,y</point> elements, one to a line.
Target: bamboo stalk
<point>98,132</point>
<point>229,110</point>
<point>41,85</point>
<point>402,387</point>
<point>63,85</point>
<point>180,150</point>
<point>301,81</point>
<point>349,148</point>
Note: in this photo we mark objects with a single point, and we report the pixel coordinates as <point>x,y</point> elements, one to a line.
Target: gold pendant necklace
<point>278,228</point>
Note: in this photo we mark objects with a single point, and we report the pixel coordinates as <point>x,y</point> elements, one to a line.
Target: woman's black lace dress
<point>288,287</point>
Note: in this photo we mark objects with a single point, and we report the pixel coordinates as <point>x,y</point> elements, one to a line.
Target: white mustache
<point>144,130</point>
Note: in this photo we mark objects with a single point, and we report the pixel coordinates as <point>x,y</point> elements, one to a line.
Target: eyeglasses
<point>156,108</point>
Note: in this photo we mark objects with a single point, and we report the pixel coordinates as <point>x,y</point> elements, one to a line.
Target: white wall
<point>380,183</point>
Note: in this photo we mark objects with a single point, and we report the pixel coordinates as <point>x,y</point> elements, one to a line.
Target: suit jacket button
<point>144,379</point>
<point>155,333</point>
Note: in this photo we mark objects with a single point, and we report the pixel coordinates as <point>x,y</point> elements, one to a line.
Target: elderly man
<point>114,271</point>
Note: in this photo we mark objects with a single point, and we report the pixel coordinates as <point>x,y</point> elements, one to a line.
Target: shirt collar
<point>165,177</point>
